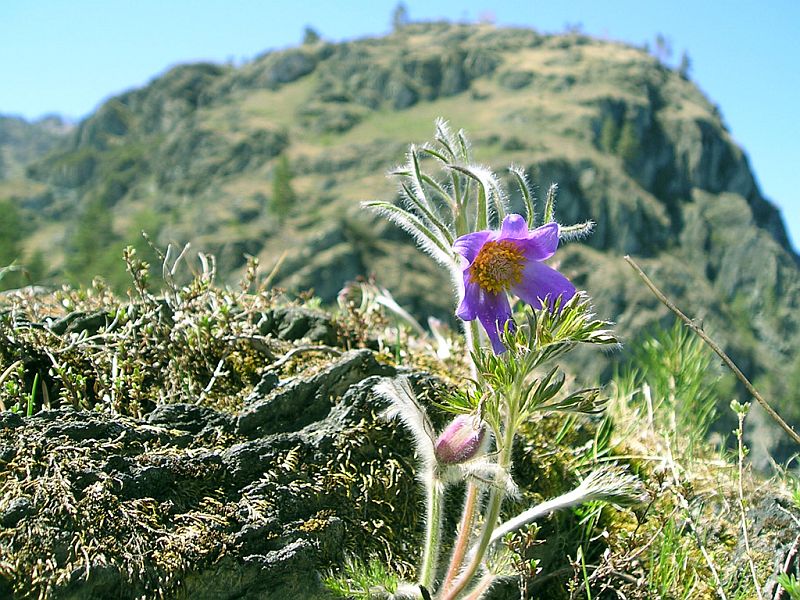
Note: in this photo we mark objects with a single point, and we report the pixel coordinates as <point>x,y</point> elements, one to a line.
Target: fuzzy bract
<point>508,260</point>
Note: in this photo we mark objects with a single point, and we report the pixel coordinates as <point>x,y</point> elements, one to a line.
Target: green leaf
<point>577,231</point>
<point>445,137</point>
<point>435,154</point>
<point>587,401</point>
<point>527,196</point>
<point>420,206</point>
<point>426,239</point>
<point>489,194</point>
<point>550,204</point>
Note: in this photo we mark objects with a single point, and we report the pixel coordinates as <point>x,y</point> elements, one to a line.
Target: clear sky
<point>67,56</point>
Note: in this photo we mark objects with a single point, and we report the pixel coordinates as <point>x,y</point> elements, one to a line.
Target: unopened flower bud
<point>460,440</point>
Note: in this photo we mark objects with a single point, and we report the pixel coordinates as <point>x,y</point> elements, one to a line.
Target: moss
<point>318,522</point>
<point>136,536</point>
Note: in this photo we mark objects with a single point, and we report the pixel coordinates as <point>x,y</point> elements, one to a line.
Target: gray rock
<point>17,509</point>
<point>190,417</point>
<point>294,323</point>
<point>301,402</point>
<point>774,537</point>
<point>9,420</point>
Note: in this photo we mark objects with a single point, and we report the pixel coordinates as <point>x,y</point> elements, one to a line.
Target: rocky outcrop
<point>23,142</point>
<point>194,503</point>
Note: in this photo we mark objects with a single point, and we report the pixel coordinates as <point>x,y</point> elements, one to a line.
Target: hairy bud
<point>460,440</point>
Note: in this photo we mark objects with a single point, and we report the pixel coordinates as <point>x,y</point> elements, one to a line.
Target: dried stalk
<point>719,351</point>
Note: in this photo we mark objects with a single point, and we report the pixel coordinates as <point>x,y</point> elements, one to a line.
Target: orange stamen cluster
<point>498,266</point>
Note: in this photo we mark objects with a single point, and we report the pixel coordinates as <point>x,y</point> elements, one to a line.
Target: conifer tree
<point>628,145</point>
<point>609,134</point>
<point>310,36</point>
<point>685,66</point>
<point>400,16</point>
<point>283,196</point>
<point>10,238</point>
<point>89,247</point>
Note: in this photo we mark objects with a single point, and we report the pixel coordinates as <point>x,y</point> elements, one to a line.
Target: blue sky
<point>60,56</point>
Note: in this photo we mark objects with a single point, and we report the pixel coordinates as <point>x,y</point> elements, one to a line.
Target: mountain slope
<point>22,142</point>
<point>632,145</point>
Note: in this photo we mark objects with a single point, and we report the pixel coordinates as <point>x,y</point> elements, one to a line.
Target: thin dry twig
<point>742,511</point>
<point>684,504</point>
<point>273,273</point>
<point>719,351</point>
<point>218,372</point>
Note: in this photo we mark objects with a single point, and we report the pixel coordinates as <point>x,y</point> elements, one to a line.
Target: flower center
<point>498,266</point>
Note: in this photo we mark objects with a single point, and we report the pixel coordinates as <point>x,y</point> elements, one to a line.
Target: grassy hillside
<point>22,142</point>
<point>192,157</point>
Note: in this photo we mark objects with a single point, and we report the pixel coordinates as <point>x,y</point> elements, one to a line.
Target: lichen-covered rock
<point>774,541</point>
<point>305,401</point>
<point>292,323</point>
<point>194,503</point>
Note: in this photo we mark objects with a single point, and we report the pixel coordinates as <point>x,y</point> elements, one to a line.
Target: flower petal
<point>469,306</point>
<point>514,228</point>
<point>541,243</point>
<point>470,244</point>
<point>540,281</point>
<point>493,313</point>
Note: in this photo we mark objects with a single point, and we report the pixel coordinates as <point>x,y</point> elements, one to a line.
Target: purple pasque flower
<point>503,261</point>
<point>460,441</point>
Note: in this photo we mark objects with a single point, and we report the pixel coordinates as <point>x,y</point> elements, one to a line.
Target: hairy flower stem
<point>491,515</point>
<point>481,587</point>
<point>465,529</point>
<point>473,338</point>
<point>433,532</point>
